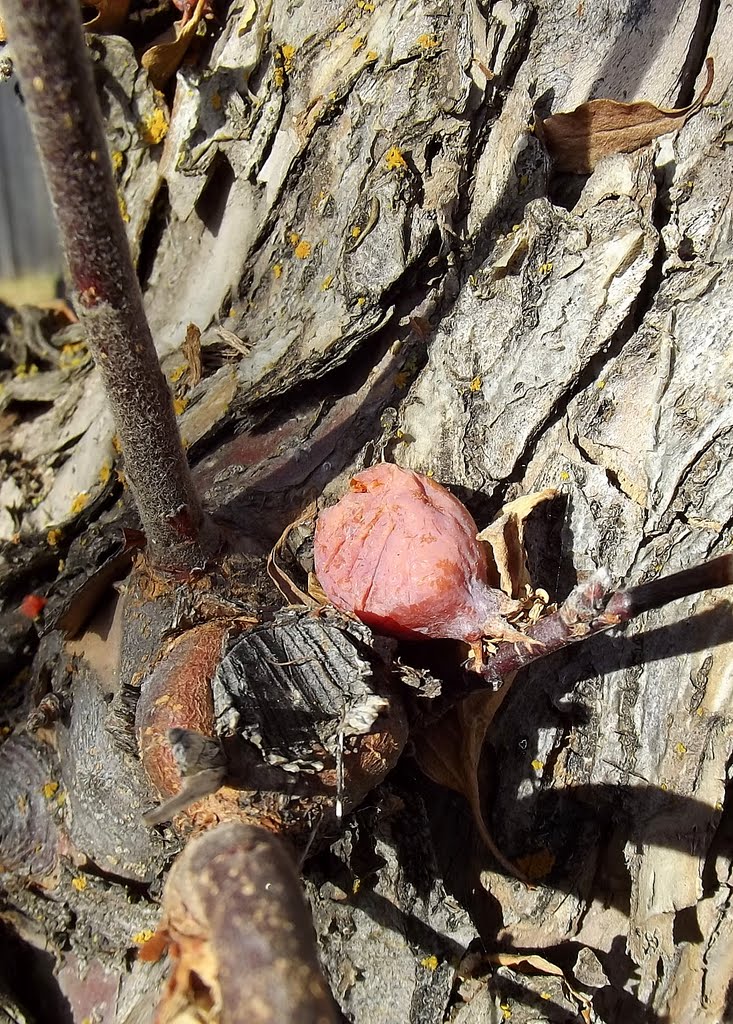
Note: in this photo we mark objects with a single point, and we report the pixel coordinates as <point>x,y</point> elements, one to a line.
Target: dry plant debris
<point>577,140</point>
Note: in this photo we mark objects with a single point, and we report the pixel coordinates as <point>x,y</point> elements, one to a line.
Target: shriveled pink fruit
<point>400,552</point>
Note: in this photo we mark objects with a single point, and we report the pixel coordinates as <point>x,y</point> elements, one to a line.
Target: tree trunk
<point>356,199</point>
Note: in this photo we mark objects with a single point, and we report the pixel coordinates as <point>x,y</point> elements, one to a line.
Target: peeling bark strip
<point>54,70</point>
<point>240,935</point>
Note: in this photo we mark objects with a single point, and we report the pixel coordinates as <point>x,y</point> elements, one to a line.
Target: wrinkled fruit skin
<point>400,552</point>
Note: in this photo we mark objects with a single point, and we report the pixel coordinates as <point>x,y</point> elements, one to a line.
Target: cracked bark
<point>578,339</point>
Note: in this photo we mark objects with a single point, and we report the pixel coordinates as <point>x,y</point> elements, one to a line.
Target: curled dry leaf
<point>164,59</point>
<point>239,934</point>
<point>110,17</point>
<point>579,138</point>
<point>287,586</point>
<point>191,351</point>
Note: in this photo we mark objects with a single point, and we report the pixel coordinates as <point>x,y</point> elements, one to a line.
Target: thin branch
<point>56,76</point>
<point>591,608</point>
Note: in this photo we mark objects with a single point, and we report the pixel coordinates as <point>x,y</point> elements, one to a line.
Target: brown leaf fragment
<point>111,15</point>
<point>163,59</point>
<point>191,350</point>
<point>579,138</point>
<point>278,574</point>
<point>239,934</point>
<point>505,537</point>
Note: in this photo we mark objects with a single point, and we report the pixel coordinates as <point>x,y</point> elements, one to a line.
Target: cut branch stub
<point>54,70</point>
<point>240,935</point>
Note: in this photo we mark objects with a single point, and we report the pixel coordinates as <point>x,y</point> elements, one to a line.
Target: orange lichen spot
<point>394,159</point>
<point>326,282</point>
<point>32,605</point>
<point>475,385</point>
<point>427,41</point>
<point>537,865</point>
<point>302,250</point>
<point>53,537</point>
<point>79,883</point>
<point>277,270</point>
<point>49,790</point>
<point>179,404</point>
<point>80,501</point>
<point>154,127</point>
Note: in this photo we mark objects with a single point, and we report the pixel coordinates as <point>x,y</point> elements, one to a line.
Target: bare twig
<point>591,608</point>
<point>54,70</point>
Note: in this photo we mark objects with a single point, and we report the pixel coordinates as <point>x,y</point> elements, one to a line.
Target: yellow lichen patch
<point>302,250</point>
<point>80,501</point>
<point>277,270</point>
<point>355,231</point>
<point>372,56</point>
<point>288,55</point>
<point>117,444</point>
<point>475,385</point>
<point>544,268</point>
<point>105,472</point>
<point>565,476</point>
<point>49,789</point>
<point>394,159</point>
<point>53,537</point>
<point>177,373</point>
<point>79,883</point>
<point>538,765</point>
<point>293,237</point>
<point>356,885</point>
<point>600,384</point>
<point>278,77</point>
<point>341,26</point>
<point>25,370</point>
<point>117,160</point>
<point>140,938</point>
<point>72,356</point>
<point>326,282</point>
<point>154,127</point>
<point>506,1010</point>
<point>179,404</point>
<point>123,208</point>
<point>427,41</point>
<point>357,44</point>
<point>361,300</point>
<point>431,962</point>
<point>680,749</point>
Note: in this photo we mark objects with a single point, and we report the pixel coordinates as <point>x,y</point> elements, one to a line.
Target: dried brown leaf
<point>579,138</point>
<point>505,537</point>
<point>163,59</point>
<point>279,576</point>
<point>449,753</point>
<point>191,350</point>
<point>111,15</point>
<point>541,965</point>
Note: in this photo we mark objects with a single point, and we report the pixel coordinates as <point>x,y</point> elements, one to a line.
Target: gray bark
<point>579,339</point>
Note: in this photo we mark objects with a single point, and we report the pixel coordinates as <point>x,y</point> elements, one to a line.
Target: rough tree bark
<point>354,192</point>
